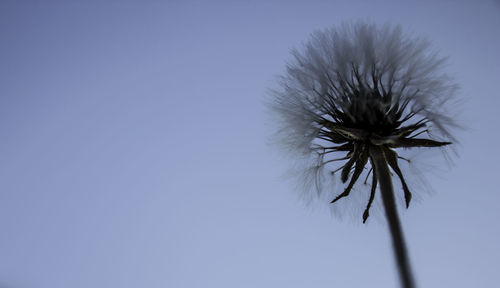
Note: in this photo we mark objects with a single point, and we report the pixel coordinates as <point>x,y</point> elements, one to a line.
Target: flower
<point>363,92</point>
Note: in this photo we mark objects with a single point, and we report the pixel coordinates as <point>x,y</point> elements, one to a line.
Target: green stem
<point>384,178</point>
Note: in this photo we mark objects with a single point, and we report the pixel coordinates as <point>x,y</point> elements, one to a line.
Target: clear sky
<point>134,149</point>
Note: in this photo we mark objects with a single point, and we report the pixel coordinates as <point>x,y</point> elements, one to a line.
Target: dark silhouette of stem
<point>384,178</point>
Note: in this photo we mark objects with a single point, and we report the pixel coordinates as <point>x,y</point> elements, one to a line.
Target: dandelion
<point>352,98</point>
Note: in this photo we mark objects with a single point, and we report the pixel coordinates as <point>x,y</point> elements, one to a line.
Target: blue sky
<point>134,149</point>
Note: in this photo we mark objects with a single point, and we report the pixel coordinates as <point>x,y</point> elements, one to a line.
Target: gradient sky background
<point>134,149</point>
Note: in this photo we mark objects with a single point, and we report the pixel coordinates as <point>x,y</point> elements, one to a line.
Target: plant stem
<point>384,178</point>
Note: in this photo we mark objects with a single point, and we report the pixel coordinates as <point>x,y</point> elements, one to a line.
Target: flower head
<point>359,87</point>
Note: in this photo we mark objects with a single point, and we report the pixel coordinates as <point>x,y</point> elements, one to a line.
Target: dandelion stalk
<point>391,213</point>
<point>352,98</point>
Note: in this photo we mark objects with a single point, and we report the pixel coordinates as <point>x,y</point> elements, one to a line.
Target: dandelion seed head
<point>356,86</point>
